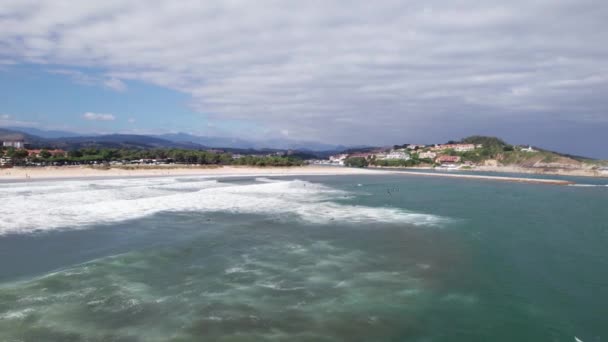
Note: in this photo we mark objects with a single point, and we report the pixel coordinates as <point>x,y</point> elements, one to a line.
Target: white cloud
<point>132,120</point>
<point>4,117</point>
<point>116,84</point>
<point>375,71</point>
<point>98,116</point>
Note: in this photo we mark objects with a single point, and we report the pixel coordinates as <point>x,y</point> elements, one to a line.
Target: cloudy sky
<point>351,72</point>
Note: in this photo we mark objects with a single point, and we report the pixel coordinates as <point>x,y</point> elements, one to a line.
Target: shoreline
<point>79,172</point>
<point>513,169</point>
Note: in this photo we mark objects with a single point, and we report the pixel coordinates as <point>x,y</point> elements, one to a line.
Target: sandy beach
<point>41,173</point>
<point>69,172</point>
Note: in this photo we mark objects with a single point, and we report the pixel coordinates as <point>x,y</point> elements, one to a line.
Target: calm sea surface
<point>348,258</point>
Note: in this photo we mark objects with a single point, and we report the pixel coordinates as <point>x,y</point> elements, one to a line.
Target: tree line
<point>178,156</point>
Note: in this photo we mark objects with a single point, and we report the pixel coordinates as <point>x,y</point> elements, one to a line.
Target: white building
<point>394,155</point>
<point>528,149</point>
<point>14,143</point>
<point>464,147</point>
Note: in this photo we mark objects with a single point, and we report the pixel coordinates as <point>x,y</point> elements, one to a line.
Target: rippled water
<point>370,258</point>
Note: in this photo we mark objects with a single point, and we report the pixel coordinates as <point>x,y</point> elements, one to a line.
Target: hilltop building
<point>456,147</point>
<point>528,149</point>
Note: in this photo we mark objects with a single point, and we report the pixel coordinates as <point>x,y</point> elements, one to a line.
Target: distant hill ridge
<point>63,139</point>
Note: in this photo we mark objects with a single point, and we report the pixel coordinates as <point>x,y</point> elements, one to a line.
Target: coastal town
<point>476,153</point>
<point>447,156</point>
<point>440,154</point>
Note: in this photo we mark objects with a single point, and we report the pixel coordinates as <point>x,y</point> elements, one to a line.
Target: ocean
<point>315,258</point>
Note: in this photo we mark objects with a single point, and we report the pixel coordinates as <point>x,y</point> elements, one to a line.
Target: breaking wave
<point>73,204</point>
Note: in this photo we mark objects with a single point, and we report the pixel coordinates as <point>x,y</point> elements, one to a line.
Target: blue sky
<point>46,99</point>
<point>532,72</point>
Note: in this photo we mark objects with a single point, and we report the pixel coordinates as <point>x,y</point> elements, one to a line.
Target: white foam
<point>266,180</point>
<point>16,315</point>
<point>75,204</point>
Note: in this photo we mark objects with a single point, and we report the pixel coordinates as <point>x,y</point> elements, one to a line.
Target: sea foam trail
<point>79,204</point>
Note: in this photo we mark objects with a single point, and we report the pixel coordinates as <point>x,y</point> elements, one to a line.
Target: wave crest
<point>74,204</point>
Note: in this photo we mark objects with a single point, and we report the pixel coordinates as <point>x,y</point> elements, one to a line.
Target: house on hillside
<point>14,143</point>
<point>415,146</point>
<point>427,155</point>
<point>464,147</point>
<point>360,155</point>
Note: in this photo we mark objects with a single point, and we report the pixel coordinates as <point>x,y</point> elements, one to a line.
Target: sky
<point>343,72</point>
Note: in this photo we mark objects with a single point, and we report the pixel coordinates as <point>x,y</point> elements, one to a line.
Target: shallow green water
<point>350,258</point>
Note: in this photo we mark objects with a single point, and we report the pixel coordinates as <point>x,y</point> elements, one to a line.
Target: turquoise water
<point>349,258</point>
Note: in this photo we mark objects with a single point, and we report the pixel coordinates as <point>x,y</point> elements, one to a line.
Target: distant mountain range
<point>282,144</point>
<point>70,140</point>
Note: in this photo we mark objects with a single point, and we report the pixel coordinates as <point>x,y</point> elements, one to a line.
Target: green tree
<point>356,162</point>
<point>74,154</point>
<point>45,154</point>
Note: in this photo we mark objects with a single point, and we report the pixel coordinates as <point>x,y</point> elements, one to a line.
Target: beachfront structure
<point>427,155</point>
<point>6,161</point>
<point>338,159</point>
<point>13,143</point>
<point>447,159</point>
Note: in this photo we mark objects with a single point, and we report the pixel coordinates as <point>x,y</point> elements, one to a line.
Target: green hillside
<point>511,155</point>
